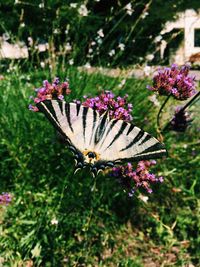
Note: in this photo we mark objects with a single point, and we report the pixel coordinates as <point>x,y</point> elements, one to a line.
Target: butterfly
<point>96,140</point>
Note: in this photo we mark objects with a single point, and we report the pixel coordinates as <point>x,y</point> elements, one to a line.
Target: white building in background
<point>18,50</point>
<point>12,51</point>
<point>189,23</point>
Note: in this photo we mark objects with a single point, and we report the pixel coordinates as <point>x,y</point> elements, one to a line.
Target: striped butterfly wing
<point>123,141</point>
<point>114,141</point>
<point>75,122</point>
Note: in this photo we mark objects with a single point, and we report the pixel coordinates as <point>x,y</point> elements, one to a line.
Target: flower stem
<point>190,102</point>
<point>159,113</point>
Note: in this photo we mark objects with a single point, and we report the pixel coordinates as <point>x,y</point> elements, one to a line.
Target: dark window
<point>197,37</point>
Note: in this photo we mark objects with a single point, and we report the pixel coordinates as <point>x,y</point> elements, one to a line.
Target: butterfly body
<point>98,141</point>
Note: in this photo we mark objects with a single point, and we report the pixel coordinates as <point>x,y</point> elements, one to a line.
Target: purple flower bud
<point>131,193</point>
<point>33,108</point>
<point>61,97</point>
<point>56,81</point>
<point>5,198</point>
<point>45,83</point>
<point>149,190</point>
<point>180,121</point>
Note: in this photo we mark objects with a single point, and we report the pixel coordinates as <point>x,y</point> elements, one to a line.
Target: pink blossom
<point>132,179</point>
<point>174,81</point>
<point>118,107</point>
<point>5,198</point>
<point>54,90</point>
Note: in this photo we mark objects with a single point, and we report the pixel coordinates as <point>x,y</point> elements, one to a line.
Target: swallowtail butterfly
<point>99,141</point>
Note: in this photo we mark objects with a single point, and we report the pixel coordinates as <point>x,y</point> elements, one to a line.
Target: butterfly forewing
<point>123,141</point>
<point>76,122</point>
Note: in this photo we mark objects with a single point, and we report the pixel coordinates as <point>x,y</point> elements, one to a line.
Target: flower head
<point>180,121</point>
<point>5,198</point>
<point>174,81</point>
<point>129,9</point>
<point>54,90</point>
<point>83,10</point>
<point>118,107</point>
<point>100,33</point>
<point>121,46</point>
<point>132,179</point>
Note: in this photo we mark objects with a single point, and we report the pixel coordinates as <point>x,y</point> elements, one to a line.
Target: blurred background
<point>55,218</point>
<point>99,33</point>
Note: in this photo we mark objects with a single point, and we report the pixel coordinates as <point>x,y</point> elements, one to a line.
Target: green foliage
<point>76,25</point>
<point>60,219</point>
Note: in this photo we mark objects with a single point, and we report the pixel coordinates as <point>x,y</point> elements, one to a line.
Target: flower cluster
<point>118,107</point>
<point>56,90</point>
<point>174,81</point>
<point>5,198</point>
<point>180,121</point>
<point>140,177</point>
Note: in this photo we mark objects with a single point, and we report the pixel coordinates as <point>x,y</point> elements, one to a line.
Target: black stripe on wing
<point>78,106</point>
<point>47,108</point>
<point>130,129</point>
<point>147,147</point>
<point>142,156</point>
<point>84,118</point>
<point>67,109</point>
<point>121,130</point>
<point>101,128</point>
<point>157,150</point>
<point>61,106</point>
<point>134,141</point>
<point>108,131</point>
<point>147,137</point>
<point>94,124</point>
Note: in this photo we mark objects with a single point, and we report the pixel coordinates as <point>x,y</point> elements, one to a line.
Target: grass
<point>98,225</point>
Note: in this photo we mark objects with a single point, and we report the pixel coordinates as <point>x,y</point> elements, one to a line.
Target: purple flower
<point>5,198</point>
<point>33,108</point>
<point>118,107</point>
<point>56,81</point>
<point>132,179</point>
<point>77,101</point>
<point>180,121</point>
<point>56,90</point>
<point>61,97</point>
<point>174,81</point>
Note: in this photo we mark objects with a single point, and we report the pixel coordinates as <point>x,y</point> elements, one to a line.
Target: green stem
<point>190,102</point>
<point>160,111</point>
